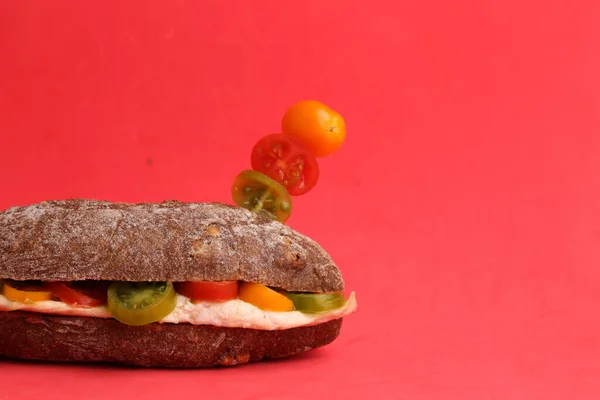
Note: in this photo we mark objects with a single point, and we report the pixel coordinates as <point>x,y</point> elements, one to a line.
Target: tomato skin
<point>208,291</point>
<point>288,161</point>
<point>79,295</point>
<point>320,128</point>
<point>25,292</point>
<point>257,192</point>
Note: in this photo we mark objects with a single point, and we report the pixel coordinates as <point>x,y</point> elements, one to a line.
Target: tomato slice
<point>264,297</point>
<point>312,303</point>
<point>285,159</point>
<point>134,303</point>
<point>259,193</point>
<point>25,291</point>
<point>80,294</point>
<point>208,291</point>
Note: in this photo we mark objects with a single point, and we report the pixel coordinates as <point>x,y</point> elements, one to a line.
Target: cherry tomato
<point>313,303</point>
<point>25,292</point>
<point>286,160</point>
<point>264,297</point>
<point>79,294</point>
<point>208,291</point>
<point>141,303</point>
<point>261,194</point>
<point>320,128</point>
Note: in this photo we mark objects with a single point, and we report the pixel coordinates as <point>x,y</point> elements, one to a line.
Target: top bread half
<point>75,240</point>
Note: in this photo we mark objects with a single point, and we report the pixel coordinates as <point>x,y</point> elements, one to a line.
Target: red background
<point>463,208</point>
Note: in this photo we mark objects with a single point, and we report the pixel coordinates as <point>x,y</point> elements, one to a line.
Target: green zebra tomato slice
<point>141,303</point>
<point>261,194</point>
<point>313,303</point>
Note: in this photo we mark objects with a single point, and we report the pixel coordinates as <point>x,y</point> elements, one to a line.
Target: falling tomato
<point>320,128</point>
<point>285,159</point>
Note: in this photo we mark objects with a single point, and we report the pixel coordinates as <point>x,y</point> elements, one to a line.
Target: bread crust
<point>33,336</point>
<point>171,241</point>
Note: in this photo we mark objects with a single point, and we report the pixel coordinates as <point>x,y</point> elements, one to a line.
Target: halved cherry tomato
<point>25,292</point>
<point>261,194</point>
<point>320,128</point>
<point>208,291</point>
<point>286,160</point>
<point>141,303</point>
<point>80,294</point>
<point>265,298</point>
<point>313,303</point>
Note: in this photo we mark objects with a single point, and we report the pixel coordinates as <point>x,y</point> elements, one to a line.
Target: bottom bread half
<point>26,335</point>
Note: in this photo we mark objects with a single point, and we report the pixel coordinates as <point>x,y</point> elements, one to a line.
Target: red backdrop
<point>463,208</point>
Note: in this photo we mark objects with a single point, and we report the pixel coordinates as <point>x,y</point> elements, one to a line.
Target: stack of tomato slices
<point>140,303</point>
<point>285,164</point>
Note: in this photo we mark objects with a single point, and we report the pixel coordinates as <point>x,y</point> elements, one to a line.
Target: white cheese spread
<point>230,314</point>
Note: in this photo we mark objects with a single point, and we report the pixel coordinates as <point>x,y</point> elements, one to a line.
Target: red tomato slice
<point>285,159</point>
<point>208,291</point>
<point>80,294</point>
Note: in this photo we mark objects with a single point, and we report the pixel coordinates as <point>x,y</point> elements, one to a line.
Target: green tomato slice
<point>313,303</point>
<point>261,194</point>
<point>141,303</point>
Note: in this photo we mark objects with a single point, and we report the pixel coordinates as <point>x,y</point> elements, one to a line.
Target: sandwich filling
<point>254,306</point>
<point>231,314</point>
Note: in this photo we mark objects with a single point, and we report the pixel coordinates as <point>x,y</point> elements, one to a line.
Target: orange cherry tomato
<point>80,294</point>
<point>320,128</point>
<point>208,291</point>
<point>264,297</point>
<point>25,292</point>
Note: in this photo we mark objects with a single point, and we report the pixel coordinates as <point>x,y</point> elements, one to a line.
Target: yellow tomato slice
<point>25,293</point>
<point>264,298</point>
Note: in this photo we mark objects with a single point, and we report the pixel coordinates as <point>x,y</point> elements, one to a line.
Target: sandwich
<point>171,284</point>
